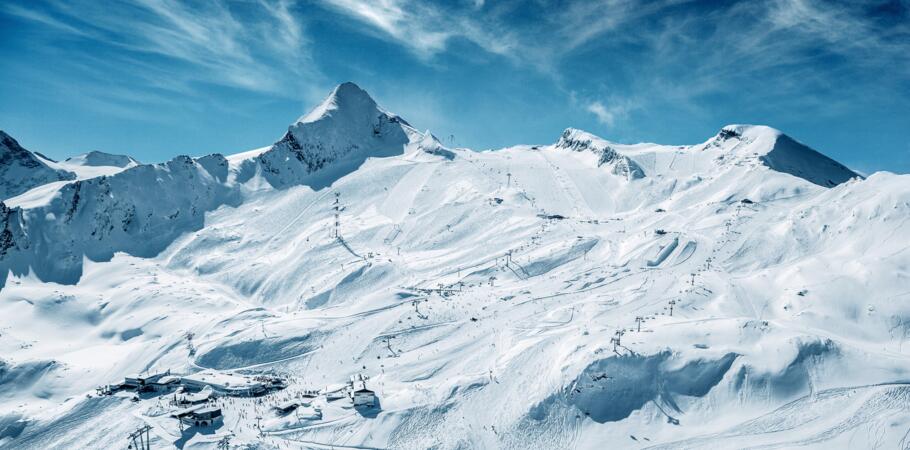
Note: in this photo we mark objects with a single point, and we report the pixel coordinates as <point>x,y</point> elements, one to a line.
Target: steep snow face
<point>21,170</point>
<point>335,138</point>
<point>782,153</point>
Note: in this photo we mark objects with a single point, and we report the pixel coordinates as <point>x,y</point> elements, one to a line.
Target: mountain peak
<point>21,170</point>
<point>782,153</point>
<point>347,97</point>
<point>350,90</point>
<point>747,131</point>
<point>347,113</point>
<point>582,141</point>
<point>576,139</point>
<point>343,131</point>
<point>97,158</point>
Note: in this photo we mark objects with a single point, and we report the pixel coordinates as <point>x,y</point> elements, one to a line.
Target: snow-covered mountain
<point>21,170</point>
<point>783,154</point>
<point>334,138</point>
<point>96,158</point>
<point>742,292</point>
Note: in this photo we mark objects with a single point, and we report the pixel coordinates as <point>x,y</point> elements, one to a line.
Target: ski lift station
<point>360,394</point>
<point>199,416</point>
<point>153,381</point>
<point>225,383</point>
<point>363,397</point>
<point>165,383</point>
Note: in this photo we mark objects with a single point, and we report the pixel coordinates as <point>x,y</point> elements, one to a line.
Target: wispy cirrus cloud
<point>784,54</point>
<point>681,50</point>
<point>167,46</point>
<point>671,50</point>
<point>637,69</point>
<point>428,28</point>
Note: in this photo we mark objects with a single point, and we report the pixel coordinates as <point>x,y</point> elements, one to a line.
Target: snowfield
<point>744,292</point>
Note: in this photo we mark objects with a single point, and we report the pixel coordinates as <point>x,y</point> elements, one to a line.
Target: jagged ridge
<point>578,140</point>
<point>345,129</point>
<point>21,170</point>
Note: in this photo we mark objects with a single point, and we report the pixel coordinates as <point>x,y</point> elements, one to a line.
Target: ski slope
<point>758,290</point>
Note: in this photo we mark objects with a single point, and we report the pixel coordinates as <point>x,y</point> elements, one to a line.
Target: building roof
<point>214,410</point>
<point>334,388</point>
<point>224,381</point>
<point>168,379</point>
<point>287,406</point>
<point>194,398</point>
<point>185,411</point>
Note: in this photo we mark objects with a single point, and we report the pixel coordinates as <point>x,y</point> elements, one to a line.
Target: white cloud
<point>425,28</point>
<point>263,50</point>
<point>612,112</point>
<point>604,115</point>
<point>688,49</point>
<point>682,53</point>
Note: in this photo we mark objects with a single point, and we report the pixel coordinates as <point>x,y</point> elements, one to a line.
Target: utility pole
<point>225,443</point>
<point>639,320</point>
<point>616,340</point>
<point>337,207</point>
<point>138,435</point>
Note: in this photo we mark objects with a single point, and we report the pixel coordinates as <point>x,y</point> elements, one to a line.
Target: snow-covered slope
<point>83,167</point>
<point>101,159</point>
<point>719,295</point>
<point>21,170</point>
<point>95,164</point>
<point>782,153</point>
<point>140,209</point>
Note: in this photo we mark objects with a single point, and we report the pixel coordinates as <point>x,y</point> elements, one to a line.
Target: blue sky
<point>157,78</point>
